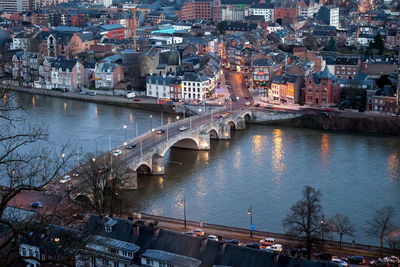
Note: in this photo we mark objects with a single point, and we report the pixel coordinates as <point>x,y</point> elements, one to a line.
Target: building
<point>321,89</point>
<point>154,18</point>
<point>195,10</point>
<point>384,100</point>
<point>113,31</point>
<point>329,15</point>
<point>266,10</point>
<point>195,86</point>
<point>155,257</point>
<point>159,86</point>
<point>285,8</point>
<point>347,66</point>
<point>108,75</point>
<point>67,74</point>
<point>13,6</point>
<point>26,66</point>
<point>21,41</point>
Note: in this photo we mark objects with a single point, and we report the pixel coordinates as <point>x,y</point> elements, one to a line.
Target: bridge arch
<point>143,168</point>
<point>213,134</point>
<point>232,124</point>
<point>184,142</point>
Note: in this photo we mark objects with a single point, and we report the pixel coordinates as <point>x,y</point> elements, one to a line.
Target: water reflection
<point>96,112</point>
<point>33,101</point>
<point>65,106</point>
<point>278,155</point>
<point>325,149</point>
<point>393,166</point>
<point>238,158</point>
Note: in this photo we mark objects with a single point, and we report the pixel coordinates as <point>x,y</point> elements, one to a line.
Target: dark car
<point>324,256</point>
<point>356,259</point>
<point>233,241</point>
<point>137,99</point>
<point>246,97</point>
<point>160,131</point>
<point>257,105</point>
<point>36,204</point>
<point>131,145</point>
<point>253,245</point>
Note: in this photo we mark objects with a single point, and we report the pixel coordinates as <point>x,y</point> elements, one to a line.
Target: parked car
<point>77,173</point>
<point>160,131</point>
<point>131,145</point>
<point>183,128</point>
<point>227,82</point>
<point>253,245</point>
<point>199,232</point>
<point>92,93</point>
<point>235,242</point>
<point>257,105</point>
<point>36,204</point>
<point>379,263</point>
<point>246,97</point>
<point>275,248</point>
<point>356,259</point>
<point>213,237</point>
<point>340,262</point>
<point>116,153</point>
<point>191,233</point>
<point>392,260</point>
<point>247,103</point>
<point>217,116</point>
<point>267,241</point>
<point>137,99</point>
<point>65,179</point>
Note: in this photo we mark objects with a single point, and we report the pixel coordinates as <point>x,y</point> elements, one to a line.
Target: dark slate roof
<point>347,60</point>
<point>171,258</point>
<point>239,26</point>
<point>387,90</point>
<point>194,77</point>
<point>43,35</point>
<point>157,79</point>
<point>263,62</point>
<point>86,36</point>
<point>238,2</point>
<point>111,27</point>
<point>63,37</point>
<point>169,58</point>
<point>325,74</point>
<point>64,64</point>
<point>67,29</point>
<point>262,6</point>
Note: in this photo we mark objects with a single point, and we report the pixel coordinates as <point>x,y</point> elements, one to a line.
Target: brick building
<point>321,88</point>
<point>198,9</point>
<point>347,66</point>
<point>285,8</point>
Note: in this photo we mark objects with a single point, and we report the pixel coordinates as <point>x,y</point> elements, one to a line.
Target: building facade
<point>321,89</point>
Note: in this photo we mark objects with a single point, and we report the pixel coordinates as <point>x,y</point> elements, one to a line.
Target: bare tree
<point>304,218</point>
<point>102,177</point>
<point>28,162</point>
<point>381,225</point>
<point>341,225</point>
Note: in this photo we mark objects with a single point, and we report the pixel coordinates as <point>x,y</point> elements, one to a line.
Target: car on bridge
<point>116,153</point>
<point>131,145</point>
<point>36,204</point>
<point>199,232</point>
<point>77,173</point>
<point>213,237</point>
<point>247,103</point>
<point>217,116</point>
<point>65,179</point>
<point>183,128</point>
<point>160,131</point>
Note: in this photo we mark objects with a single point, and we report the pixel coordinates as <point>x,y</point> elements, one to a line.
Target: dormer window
<point>108,228</point>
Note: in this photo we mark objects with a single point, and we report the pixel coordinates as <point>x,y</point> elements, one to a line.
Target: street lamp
<point>200,114</point>
<point>322,234</point>
<point>151,127</point>
<point>125,132</point>
<point>250,212</point>
<point>93,159</point>
<point>183,203</point>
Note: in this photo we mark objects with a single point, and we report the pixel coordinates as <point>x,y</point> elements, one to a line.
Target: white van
<point>267,241</point>
<point>275,248</point>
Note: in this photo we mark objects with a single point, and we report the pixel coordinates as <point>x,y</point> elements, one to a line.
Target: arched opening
<point>213,134</point>
<point>143,169</point>
<point>83,200</point>
<point>247,118</point>
<point>186,143</point>
<point>232,124</point>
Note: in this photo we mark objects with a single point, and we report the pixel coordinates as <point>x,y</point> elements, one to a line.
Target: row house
<point>285,89</point>
<point>266,10</point>
<point>347,66</point>
<point>195,10</point>
<point>159,86</point>
<point>195,86</point>
<point>45,73</point>
<point>67,74</point>
<point>21,41</point>
<point>382,100</point>
<point>26,66</point>
<point>108,75</point>
<point>322,88</point>
<point>262,71</point>
<point>392,39</point>
<point>154,18</point>
<point>73,18</point>
<point>285,8</point>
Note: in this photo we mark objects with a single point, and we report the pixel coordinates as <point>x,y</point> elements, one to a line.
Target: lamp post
<point>250,212</point>
<point>125,132</point>
<point>322,234</point>
<point>183,203</point>
<point>151,128</point>
<point>200,114</point>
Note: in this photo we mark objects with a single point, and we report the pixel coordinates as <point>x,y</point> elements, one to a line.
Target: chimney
<point>136,229</point>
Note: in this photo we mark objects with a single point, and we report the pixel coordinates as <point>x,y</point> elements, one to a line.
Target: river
<point>265,167</point>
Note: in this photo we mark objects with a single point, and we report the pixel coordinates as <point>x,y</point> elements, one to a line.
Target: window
<point>149,262</point>
<point>113,250</point>
<point>105,262</point>
<point>108,228</point>
<point>130,254</point>
<point>24,252</point>
<point>124,253</point>
<point>116,264</point>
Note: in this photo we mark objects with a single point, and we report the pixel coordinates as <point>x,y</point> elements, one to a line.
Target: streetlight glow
<point>63,155</point>
<point>94,159</point>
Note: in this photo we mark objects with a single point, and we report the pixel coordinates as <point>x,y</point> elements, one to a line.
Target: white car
<point>247,103</point>
<point>65,179</point>
<point>213,237</point>
<point>340,262</point>
<point>275,248</point>
<point>183,128</point>
<point>116,153</point>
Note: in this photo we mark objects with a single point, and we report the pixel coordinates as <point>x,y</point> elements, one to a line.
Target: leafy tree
<point>310,42</point>
<point>379,43</point>
<point>331,45</point>
<point>341,225</point>
<point>381,225</point>
<point>305,216</point>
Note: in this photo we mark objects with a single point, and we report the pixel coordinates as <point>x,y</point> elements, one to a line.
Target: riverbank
<point>102,99</point>
<point>344,122</point>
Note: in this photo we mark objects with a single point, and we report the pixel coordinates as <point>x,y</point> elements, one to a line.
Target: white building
<point>266,10</point>
<point>20,41</point>
<point>195,86</point>
<point>107,3</point>
<point>12,6</point>
<point>159,86</point>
